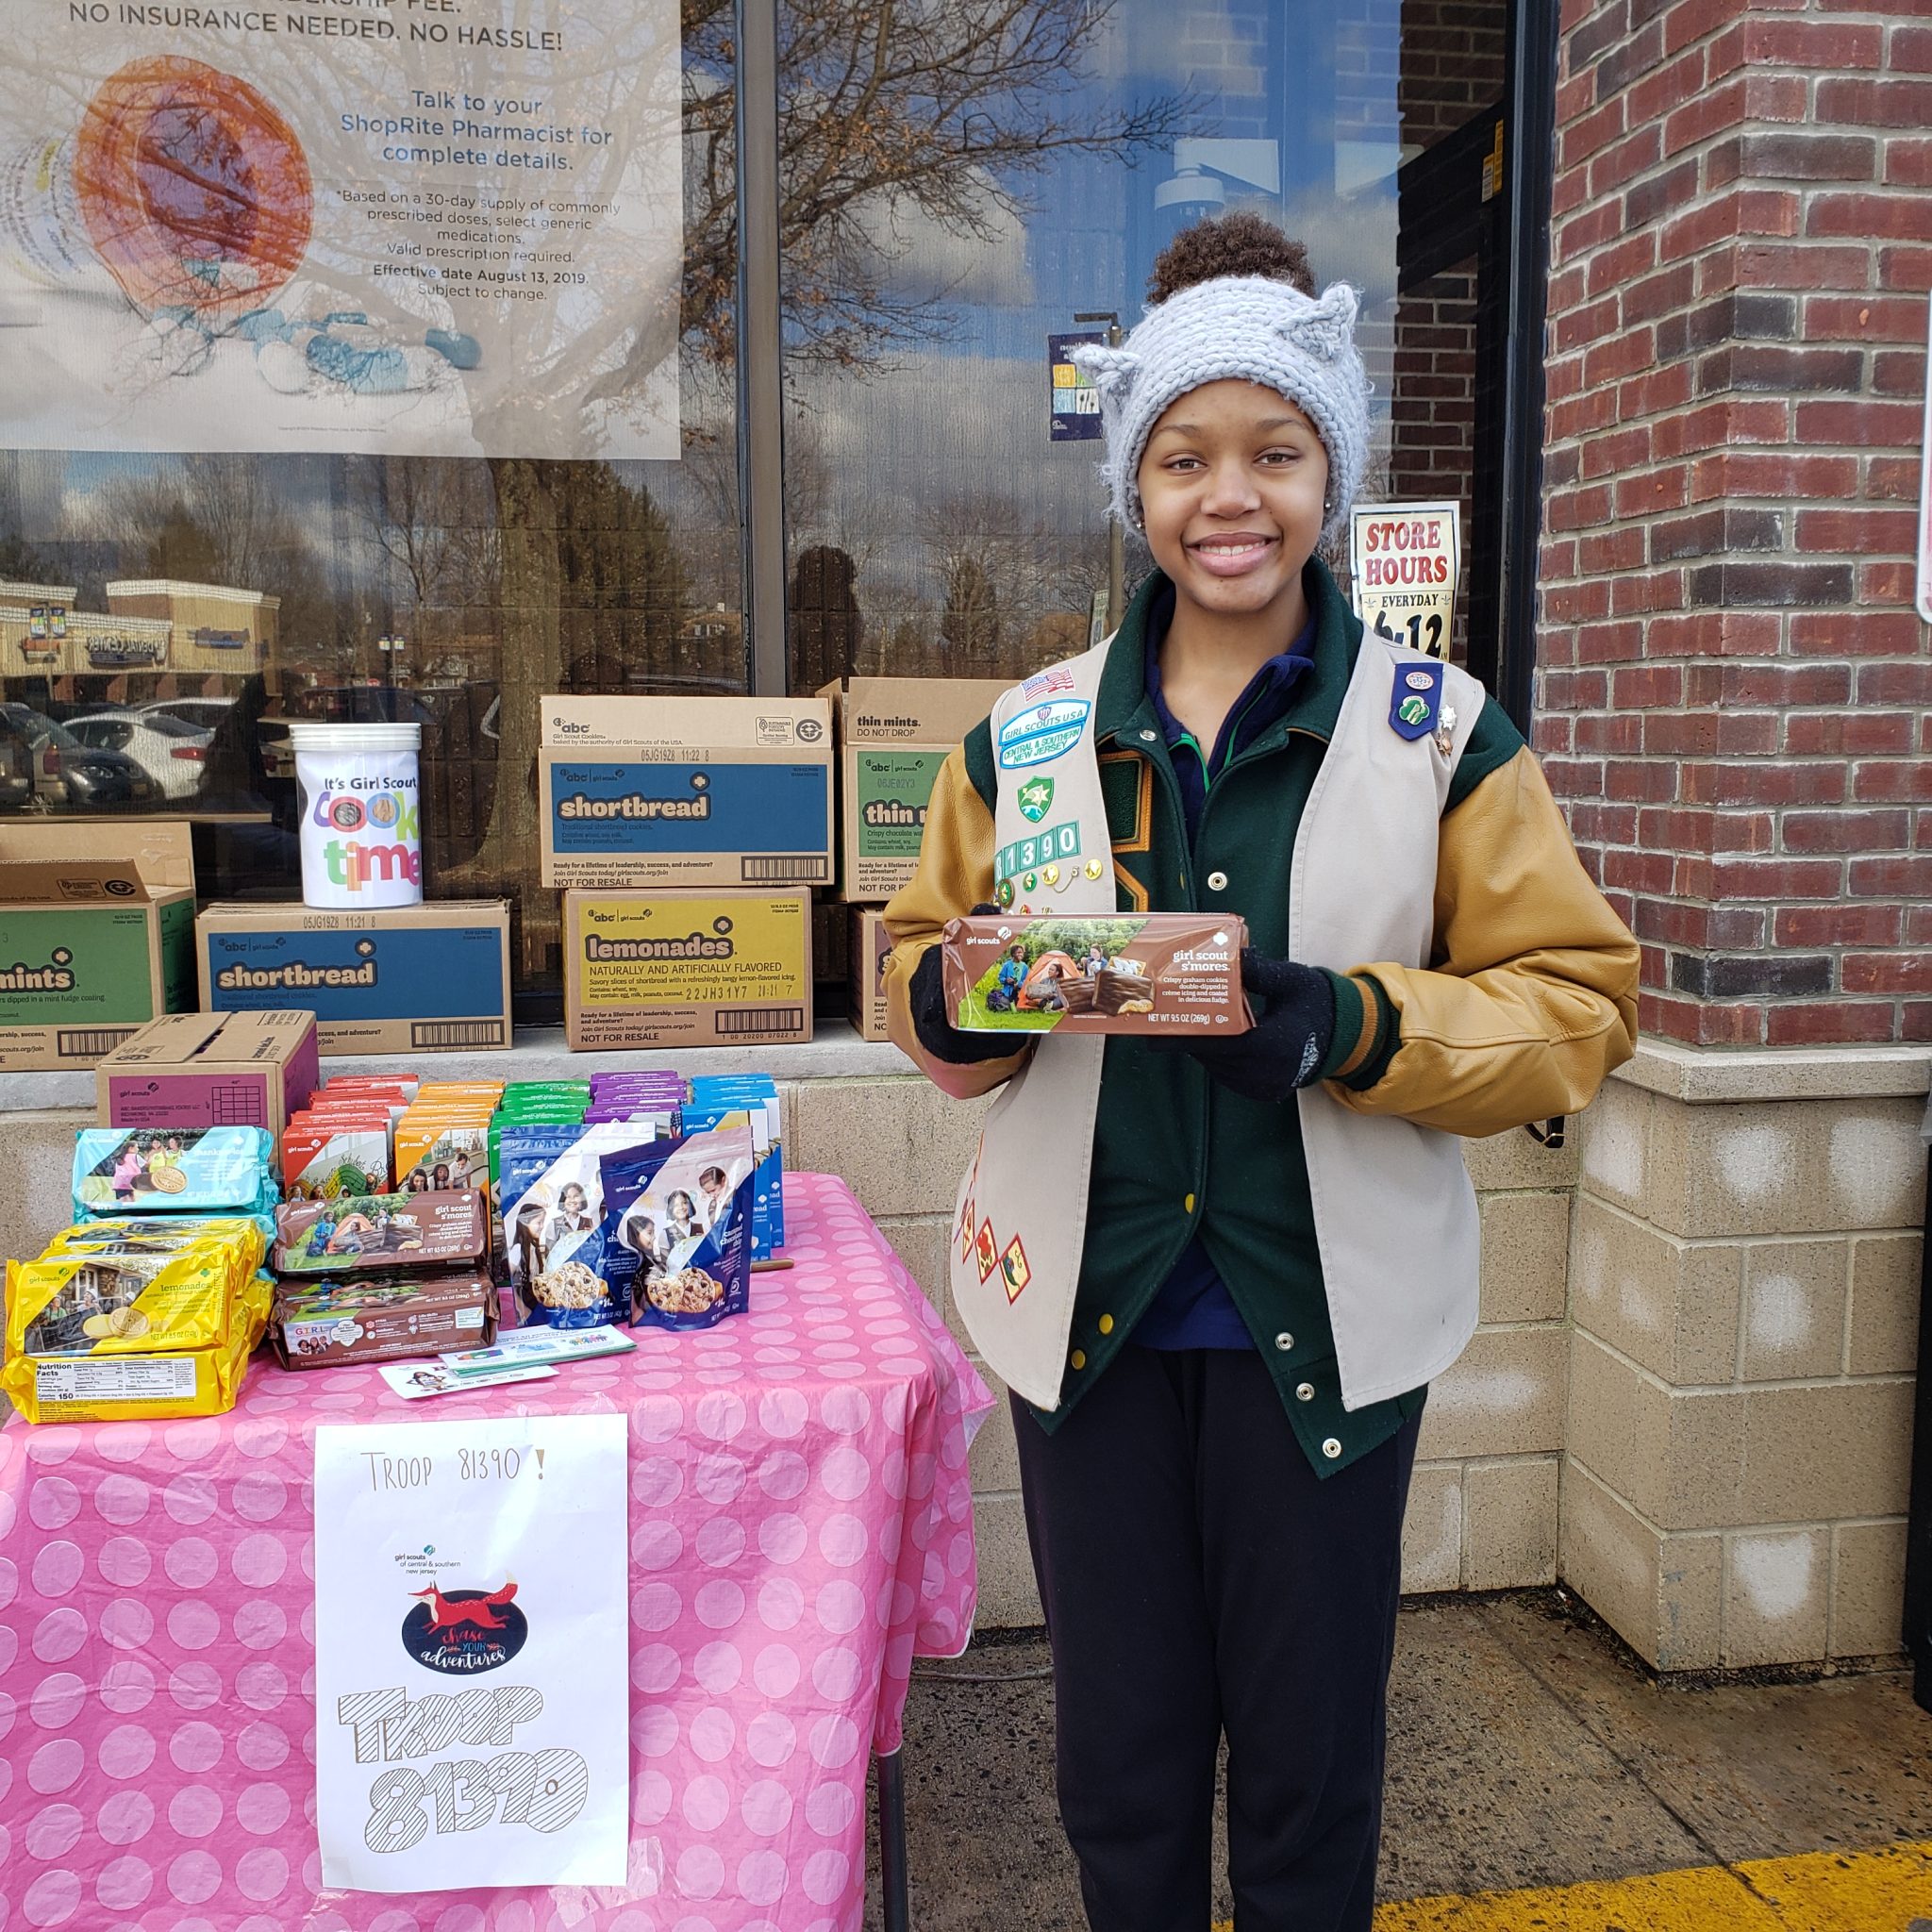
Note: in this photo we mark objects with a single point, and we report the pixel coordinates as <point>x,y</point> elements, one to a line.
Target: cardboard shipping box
<point>161,850</point>
<point>91,948</point>
<point>893,736</point>
<point>212,1070</point>
<point>870,950</point>
<point>687,968</point>
<point>404,979</point>
<point>640,791</point>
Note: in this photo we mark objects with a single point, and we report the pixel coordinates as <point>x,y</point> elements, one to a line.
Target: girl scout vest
<point>1395,1214</point>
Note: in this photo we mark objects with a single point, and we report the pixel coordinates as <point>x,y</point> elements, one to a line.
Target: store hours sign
<point>1402,564</point>
<point>472,1694</point>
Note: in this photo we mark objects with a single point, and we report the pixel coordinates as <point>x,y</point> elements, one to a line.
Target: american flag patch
<point>1044,683</point>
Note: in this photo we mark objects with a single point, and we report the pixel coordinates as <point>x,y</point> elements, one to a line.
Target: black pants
<point>1198,1577</point>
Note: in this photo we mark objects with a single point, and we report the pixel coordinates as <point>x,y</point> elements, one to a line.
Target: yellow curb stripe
<point>1879,1890</point>
<point>1883,1890</point>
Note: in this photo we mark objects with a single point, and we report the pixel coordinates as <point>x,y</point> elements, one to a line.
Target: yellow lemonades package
<point>115,1373</point>
<point>135,1235</point>
<point>120,1304</point>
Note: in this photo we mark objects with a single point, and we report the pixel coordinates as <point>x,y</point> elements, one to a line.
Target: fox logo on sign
<point>463,1631</point>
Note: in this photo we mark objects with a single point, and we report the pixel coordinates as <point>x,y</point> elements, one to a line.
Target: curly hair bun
<point>1236,244</point>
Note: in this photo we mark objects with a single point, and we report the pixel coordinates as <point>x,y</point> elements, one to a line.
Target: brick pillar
<point>1734,692</point>
<point>1733,705</point>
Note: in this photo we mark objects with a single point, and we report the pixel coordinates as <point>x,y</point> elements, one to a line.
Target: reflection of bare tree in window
<point>1013,584</point>
<point>940,112</point>
<point>970,624</point>
<point>432,524</point>
<point>899,107</point>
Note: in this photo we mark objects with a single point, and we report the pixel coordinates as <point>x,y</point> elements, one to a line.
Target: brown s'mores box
<point>365,1233</point>
<point>1170,973</point>
<point>385,1319</point>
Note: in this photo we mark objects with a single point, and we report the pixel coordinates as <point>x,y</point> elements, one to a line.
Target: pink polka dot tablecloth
<point>801,1528</point>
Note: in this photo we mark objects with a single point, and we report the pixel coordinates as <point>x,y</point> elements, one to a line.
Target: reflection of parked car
<point>205,713</point>
<point>68,773</point>
<point>16,769</point>
<point>172,752</point>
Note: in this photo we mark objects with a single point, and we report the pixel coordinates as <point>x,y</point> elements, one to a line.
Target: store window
<point>962,189</point>
<point>325,553</point>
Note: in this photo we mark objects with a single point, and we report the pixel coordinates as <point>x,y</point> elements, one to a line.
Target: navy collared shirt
<point>1193,1308</point>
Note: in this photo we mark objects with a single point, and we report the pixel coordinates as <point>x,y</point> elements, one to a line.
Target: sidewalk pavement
<point>1538,1779</point>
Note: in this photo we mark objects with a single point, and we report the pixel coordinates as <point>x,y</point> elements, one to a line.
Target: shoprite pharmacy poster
<point>472,1682</point>
<point>394,226</point>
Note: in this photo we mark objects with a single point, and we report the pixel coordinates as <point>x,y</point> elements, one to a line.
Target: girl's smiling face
<point>1232,483</point>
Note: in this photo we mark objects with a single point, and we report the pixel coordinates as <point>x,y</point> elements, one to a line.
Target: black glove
<point>935,1031</point>
<point>1292,1032</point>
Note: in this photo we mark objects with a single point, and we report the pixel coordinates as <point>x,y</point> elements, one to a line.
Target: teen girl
<point>1220,1276</point>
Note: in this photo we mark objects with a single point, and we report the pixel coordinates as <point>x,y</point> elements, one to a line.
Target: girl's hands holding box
<point>926,1001</point>
<point>1290,1040</point>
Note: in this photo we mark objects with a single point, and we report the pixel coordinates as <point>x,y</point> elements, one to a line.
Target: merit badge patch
<point>1013,1267</point>
<point>1036,799</point>
<point>987,1252</point>
<point>1417,698</point>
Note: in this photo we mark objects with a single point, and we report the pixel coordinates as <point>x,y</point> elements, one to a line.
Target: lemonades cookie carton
<point>678,1215</point>
<point>1177,974</point>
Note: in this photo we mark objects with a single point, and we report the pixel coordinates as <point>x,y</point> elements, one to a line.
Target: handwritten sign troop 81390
<point>471,1653</point>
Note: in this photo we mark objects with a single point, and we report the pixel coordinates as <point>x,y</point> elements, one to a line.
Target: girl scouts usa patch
<point>1416,698</point>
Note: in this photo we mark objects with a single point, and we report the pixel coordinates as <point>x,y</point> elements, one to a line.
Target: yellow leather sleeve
<point>955,874</point>
<point>1531,997</point>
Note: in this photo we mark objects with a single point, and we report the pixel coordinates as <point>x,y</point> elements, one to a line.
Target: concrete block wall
<point>1690,1395</point>
<point>1483,1514</point>
<point>1744,1301</point>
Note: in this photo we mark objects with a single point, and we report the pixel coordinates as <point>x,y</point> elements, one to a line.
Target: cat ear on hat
<point>1110,371</point>
<point>1326,328</point>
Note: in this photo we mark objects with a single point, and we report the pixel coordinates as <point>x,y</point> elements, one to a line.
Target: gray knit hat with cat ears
<point>1249,327</point>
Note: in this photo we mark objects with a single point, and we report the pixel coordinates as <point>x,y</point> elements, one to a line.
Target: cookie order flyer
<point>401,228</point>
<point>1402,564</point>
<point>472,1692</point>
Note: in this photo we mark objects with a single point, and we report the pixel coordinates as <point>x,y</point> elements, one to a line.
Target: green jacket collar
<point>1126,712</point>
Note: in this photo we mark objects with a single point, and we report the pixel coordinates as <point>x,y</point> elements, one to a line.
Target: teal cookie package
<point>173,1171</point>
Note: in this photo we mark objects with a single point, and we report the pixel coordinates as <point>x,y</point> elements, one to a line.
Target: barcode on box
<point>434,1033</point>
<point>71,1042</point>
<point>787,871</point>
<point>742,1022</point>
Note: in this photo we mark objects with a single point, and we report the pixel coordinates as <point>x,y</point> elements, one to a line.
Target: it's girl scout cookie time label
<point>687,968</point>
<point>1154,973</point>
